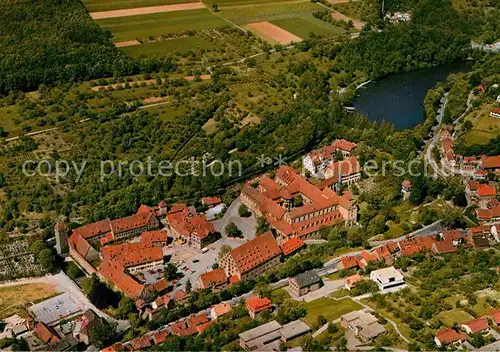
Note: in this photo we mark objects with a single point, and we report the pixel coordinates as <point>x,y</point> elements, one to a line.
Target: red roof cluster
<point>186,224</point>
<point>324,207</point>
<point>345,167</point>
<point>328,152</point>
<point>485,190</point>
<point>192,325</point>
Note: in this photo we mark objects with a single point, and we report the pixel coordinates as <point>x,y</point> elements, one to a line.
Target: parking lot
<point>195,261</point>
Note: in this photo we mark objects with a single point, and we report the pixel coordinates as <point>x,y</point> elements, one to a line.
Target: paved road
<point>432,229</point>
<point>429,156</point>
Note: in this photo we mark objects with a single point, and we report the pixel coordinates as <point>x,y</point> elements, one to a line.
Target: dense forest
<point>56,41</point>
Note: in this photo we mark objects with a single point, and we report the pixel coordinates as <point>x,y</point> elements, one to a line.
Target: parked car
<point>196,261</point>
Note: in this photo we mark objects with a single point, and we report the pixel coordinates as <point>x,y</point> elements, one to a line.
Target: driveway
<point>246,225</point>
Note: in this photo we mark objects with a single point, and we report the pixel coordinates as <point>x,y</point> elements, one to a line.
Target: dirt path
<point>127,43</point>
<point>146,10</point>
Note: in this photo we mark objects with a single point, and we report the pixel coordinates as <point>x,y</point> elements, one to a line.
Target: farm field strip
<point>228,3</point>
<point>158,24</point>
<point>127,43</point>
<point>108,5</point>
<point>146,10</point>
<point>169,45</point>
<point>303,25</point>
<point>274,32</point>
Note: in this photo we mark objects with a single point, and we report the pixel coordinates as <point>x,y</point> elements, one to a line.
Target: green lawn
<point>306,24</point>
<point>108,5</point>
<point>331,309</point>
<point>485,128</point>
<point>143,26</point>
<point>163,47</point>
<point>268,12</point>
<point>454,315</point>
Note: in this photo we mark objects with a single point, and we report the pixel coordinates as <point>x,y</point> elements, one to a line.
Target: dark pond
<point>400,98</point>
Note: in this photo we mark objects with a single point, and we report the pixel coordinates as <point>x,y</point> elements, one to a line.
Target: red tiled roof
<point>477,325</point>
<point>114,348</point>
<point>185,224</point>
<point>160,285</point>
<point>486,190</point>
<point>213,278</point>
<point>407,184</point>
<point>179,295</point>
<point>257,304</point>
<point>211,200</point>
<point>130,222</point>
<point>140,343</point>
<point>94,229</point>
<point>221,309</point>
<point>115,273</point>
<point>234,279</point>
<point>495,315</point>
<point>349,262</point>
<point>488,214</point>
<point>154,236</point>
<point>45,334</point>
<point>473,185</point>
<point>160,336</point>
<point>447,336</point>
<point>292,245</point>
<point>353,279</point>
<point>255,252</point>
<point>444,247</point>
<point>496,110</point>
<point>132,254</point>
<point>490,162</point>
<point>368,256</point>
<point>479,230</point>
<point>346,167</point>
<point>345,145</point>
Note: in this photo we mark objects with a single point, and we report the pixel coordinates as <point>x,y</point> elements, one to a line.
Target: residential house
<point>215,280</point>
<point>495,113</point>
<point>84,324</point>
<point>475,326</point>
<point>447,336</point>
<point>363,324</point>
<point>348,262</point>
<point>351,281</point>
<point>387,278</point>
<point>491,163</point>
<point>47,335</point>
<point>140,343</point>
<point>211,201</point>
<point>160,336</point>
<point>219,310</point>
<point>304,283</point>
<point>252,258</point>
<point>155,238</point>
<point>257,305</point>
<point>406,188</point>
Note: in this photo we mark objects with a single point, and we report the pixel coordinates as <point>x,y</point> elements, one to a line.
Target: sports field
<point>168,46</point>
<point>109,5</point>
<point>144,26</point>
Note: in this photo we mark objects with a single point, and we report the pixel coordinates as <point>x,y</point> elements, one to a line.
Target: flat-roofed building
<point>387,278</point>
<point>256,338</point>
<point>363,324</point>
<point>293,330</point>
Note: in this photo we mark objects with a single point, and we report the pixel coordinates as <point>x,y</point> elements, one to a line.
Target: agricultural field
<point>268,11</point>
<point>14,299</point>
<point>225,3</point>
<point>168,46</point>
<point>359,10</point>
<point>305,25</point>
<point>160,24</point>
<point>109,5</point>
